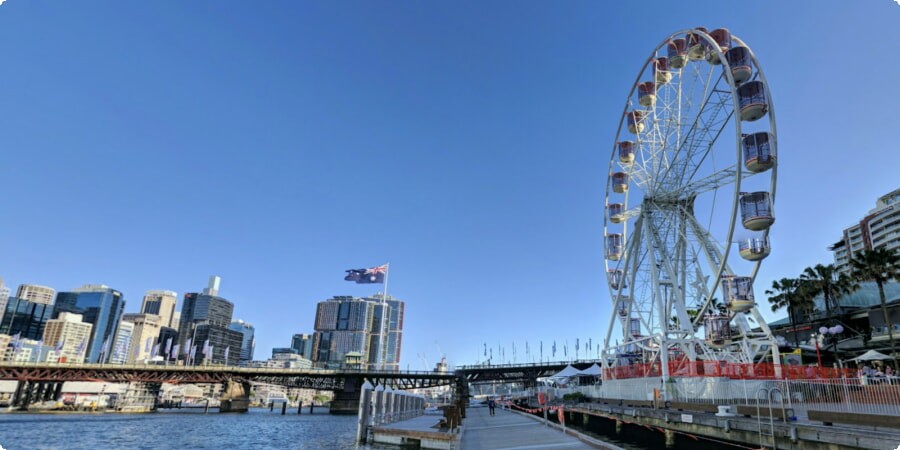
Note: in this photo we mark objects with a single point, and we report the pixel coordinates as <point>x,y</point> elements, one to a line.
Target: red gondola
<point>759,151</point>
<point>756,210</point>
<point>647,93</point>
<point>616,212</point>
<point>626,152</point>
<point>723,39</point>
<point>740,63</point>
<point>635,121</point>
<point>752,99</point>
<point>694,43</point>
<point>663,75</point>
<point>620,182</point>
<point>677,52</point>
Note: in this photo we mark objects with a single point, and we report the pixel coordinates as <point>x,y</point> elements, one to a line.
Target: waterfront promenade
<point>508,430</point>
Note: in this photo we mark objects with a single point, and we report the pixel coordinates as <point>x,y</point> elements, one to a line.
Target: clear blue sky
<point>148,145</point>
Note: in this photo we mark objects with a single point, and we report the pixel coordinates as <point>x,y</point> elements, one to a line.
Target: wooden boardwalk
<point>507,430</point>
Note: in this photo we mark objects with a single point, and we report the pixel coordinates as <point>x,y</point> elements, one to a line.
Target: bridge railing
<point>471,367</point>
<point>222,368</point>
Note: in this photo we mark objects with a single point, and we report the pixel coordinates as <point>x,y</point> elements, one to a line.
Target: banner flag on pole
<point>367,276</point>
<point>175,350</point>
<point>59,346</point>
<point>227,349</point>
<point>168,346</point>
<point>147,344</point>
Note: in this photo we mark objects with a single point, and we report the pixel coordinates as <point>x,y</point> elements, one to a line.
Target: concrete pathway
<point>510,431</point>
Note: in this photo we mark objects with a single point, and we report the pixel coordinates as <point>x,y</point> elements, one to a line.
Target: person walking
<point>491,406</point>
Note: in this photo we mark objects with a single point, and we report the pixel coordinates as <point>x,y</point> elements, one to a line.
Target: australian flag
<point>367,276</point>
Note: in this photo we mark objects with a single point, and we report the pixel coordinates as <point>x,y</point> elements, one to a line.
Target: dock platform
<point>508,430</point>
<point>421,431</point>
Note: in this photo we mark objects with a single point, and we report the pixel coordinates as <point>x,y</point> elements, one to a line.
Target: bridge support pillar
<point>57,391</point>
<point>346,400</point>
<point>462,395</point>
<point>236,397</point>
<point>670,438</point>
<point>20,392</point>
<point>27,394</point>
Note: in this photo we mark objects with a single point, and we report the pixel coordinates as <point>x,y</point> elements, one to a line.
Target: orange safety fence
<point>759,371</point>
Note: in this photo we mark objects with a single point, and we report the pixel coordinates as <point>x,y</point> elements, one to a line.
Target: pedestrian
<point>491,406</point>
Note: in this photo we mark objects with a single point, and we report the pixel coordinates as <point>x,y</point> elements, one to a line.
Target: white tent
<point>870,355</point>
<point>592,371</point>
<point>569,371</point>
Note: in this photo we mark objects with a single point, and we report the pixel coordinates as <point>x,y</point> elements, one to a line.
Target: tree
<point>829,282</point>
<point>793,294</point>
<point>879,265</point>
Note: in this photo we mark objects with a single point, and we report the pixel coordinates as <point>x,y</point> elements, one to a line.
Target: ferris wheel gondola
<point>691,181</point>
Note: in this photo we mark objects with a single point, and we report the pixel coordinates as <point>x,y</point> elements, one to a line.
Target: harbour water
<point>193,429</point>
<point>257,429</point>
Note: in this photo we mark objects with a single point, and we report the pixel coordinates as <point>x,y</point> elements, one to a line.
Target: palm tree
<point>829,282</point>
<point>793,294</point>
<point>879,265</point>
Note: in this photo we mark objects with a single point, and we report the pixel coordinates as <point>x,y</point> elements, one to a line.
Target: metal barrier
<point>853,395</point>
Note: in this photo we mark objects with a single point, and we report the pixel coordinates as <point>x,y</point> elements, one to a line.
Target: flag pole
<point>383,357</point>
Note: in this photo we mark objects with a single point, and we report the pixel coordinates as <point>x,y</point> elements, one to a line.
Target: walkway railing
<point>852,395</point>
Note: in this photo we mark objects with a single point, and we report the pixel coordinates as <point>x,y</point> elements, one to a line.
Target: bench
<point>873,420</point>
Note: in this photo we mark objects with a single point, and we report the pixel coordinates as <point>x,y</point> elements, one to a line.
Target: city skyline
<point>278,145</point>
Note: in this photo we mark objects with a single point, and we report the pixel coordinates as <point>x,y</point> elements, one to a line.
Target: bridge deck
<point>511,431</point>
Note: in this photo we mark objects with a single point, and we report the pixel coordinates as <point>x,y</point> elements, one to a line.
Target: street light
<point>830,333</point>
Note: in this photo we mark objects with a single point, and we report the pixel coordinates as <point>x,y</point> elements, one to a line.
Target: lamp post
<point>831,333</point>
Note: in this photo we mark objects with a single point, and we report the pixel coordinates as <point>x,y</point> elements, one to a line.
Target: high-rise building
<point>369,327</point>
<point>168,339</point>
<point>247,341</point>
<point>101,307</point>
<point>213,342</point>
<point>145,336</point>
<point>25,318</point>
<point>4,298</point>
<point>303,345</point>
<point>118,352</point>
<point>197,309</point>
<point>393,336</point>
<point>880,228</point>
<point>205,317</point>
<point>37,294</point>
<point>212,287</point>
<point>70,335</point>
<point>176,320</point>
<point>161,303</point>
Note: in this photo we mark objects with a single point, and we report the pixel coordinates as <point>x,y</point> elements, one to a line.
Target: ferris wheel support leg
<point>663,350</point>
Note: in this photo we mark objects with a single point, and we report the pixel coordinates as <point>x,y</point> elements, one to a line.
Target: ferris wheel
<point>691,183</point>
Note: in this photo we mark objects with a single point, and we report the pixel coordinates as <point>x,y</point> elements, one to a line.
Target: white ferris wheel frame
<point>753,346</point>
